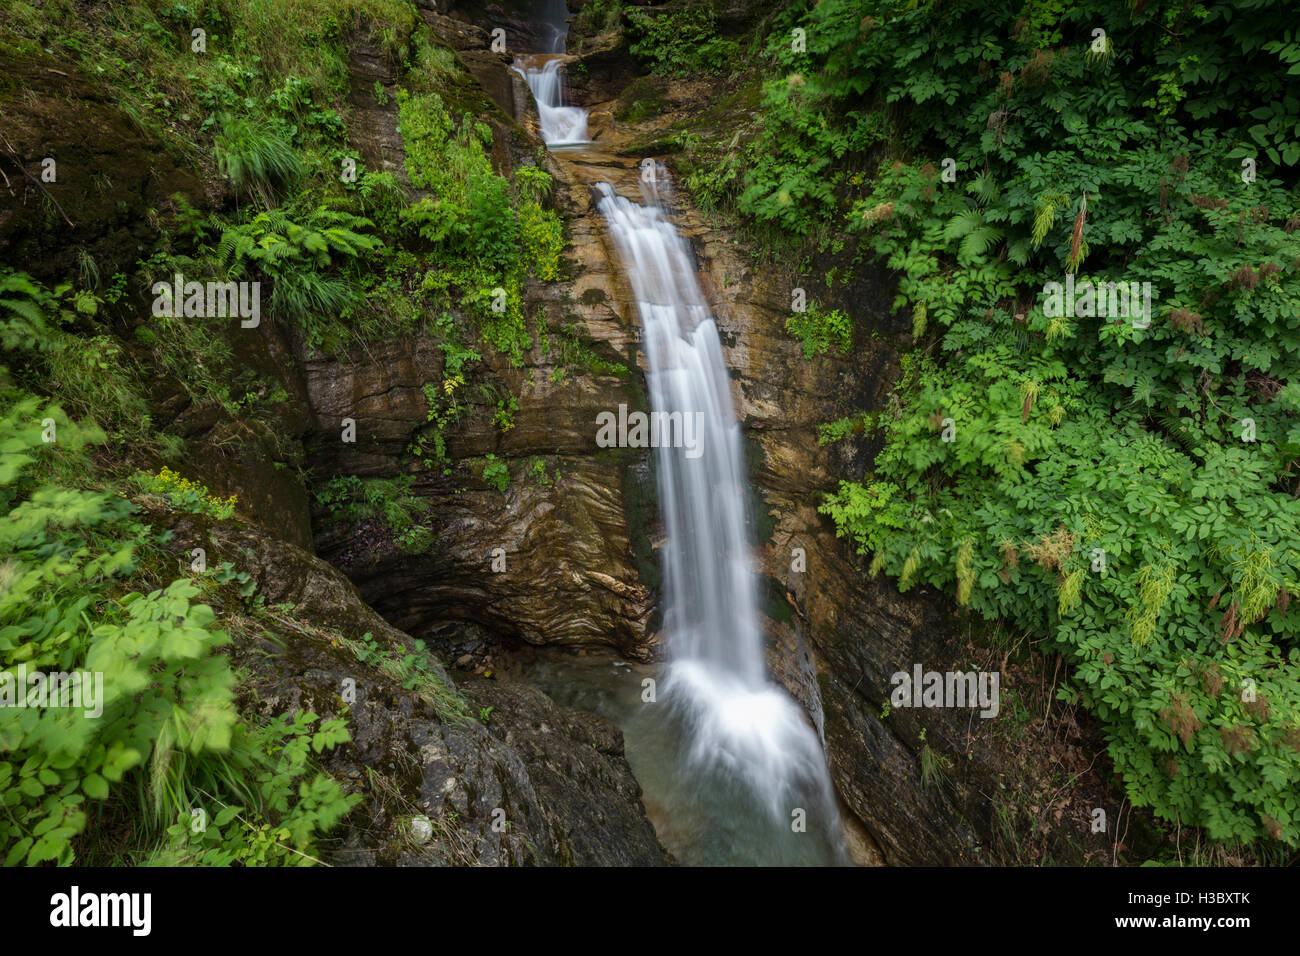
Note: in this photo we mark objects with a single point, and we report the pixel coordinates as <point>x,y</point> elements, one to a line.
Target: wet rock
<point>372,125</point>
<point>570,574</point>
<point>586,779</point>
<point>574,562</point>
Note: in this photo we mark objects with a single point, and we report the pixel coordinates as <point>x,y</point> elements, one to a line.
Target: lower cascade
<point>731,761</point>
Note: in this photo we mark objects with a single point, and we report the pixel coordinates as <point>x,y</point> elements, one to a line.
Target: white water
<point>560,125</point>
<point>727,759</point>
<point>745,758</point>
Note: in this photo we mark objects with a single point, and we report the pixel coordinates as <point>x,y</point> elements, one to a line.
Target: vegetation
<point>171,772</point>
<point>351,499</point>
<point>182,494</point>
<point>1120,478</point>
<point>683,41</point>
<point>153,736</point>
<point>819,330</point>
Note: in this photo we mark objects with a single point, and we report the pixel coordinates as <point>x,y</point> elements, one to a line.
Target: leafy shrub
<point>382,200</point>
<point>1119,483</point>
<point>283,780</point>
<point>492,232</point>
<point>93,375</point>
<point>597,16</point>
<point>470,212</point>
<point>313,261</point>
<point>496,473</point>
<point>543,239</point>
<point>354,499</point>
<point>471,222</point>
<point>818,330</point>
<point>534,182</point>
<point>683,41</point>
<point>159,733</point>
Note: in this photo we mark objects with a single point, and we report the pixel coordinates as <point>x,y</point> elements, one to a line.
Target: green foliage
<point>597,16</point>
<point>94,379</point>
<point>534,182</point>
<point>305,802</point>
<point>503,328</point>
<point>265,100</point>
<point>504,416</point>
<point>819,330</point>
<point>382,200</point>
<point>470,221</point>
<point>444,404</point>
<point>1093,476</point>
<point>156,711</point>
<point>496,473</point>
<point>681,42</point>
<point>572,351</point>
<point>842,428</point>
<point>542,478</point>
<point>256,156</point>
<point>412,669</point>
<point>354,499</point>
<point>264,57</point>
<point>185,495</point>
<point>312,260</point>
<point>469,213</point>
<point>542,235</point>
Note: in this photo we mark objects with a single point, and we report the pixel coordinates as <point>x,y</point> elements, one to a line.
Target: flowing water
<point>560,125</point>
<point>733,771</point>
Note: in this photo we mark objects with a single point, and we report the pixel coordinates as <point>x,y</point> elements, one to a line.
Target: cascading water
<point>742,757</point>
<point>731,769</point>
<point>552,17</point>
<point>560,125</point>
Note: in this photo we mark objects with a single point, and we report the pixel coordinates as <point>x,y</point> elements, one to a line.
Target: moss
<point>641,512</point>
<point>774,604</point>
<point>642,99</point>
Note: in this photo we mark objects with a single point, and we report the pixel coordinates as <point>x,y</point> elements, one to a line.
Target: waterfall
<point>730,762</point>
<point>746,761</point>
<point>711,612</point>
<point>561,125</point>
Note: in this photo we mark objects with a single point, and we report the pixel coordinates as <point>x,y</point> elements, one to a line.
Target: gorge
<point>583,491</point>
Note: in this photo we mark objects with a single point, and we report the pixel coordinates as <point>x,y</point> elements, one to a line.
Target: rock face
<point>108,178</point>
<point>538,785</point>
<point>549,560</point>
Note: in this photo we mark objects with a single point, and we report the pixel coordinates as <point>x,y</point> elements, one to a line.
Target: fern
<point>1045,215</point>
<point>308,261</point>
